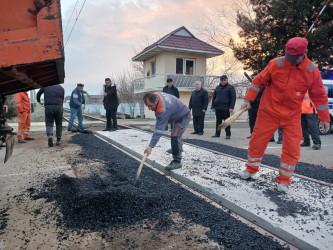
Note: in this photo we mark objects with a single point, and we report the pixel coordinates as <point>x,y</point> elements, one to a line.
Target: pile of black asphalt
<point>314,171</point>
<point>94,204</point>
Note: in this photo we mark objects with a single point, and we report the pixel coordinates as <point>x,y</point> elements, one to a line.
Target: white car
<point>328,84</point>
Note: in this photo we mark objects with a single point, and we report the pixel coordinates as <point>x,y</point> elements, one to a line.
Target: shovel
<point>80,130</point>
<point>137,174</point>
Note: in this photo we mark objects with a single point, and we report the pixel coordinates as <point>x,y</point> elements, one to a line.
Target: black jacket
<point>198,102</point>
<point>224,97</point>
<point>171,91</point>
<point>256,102</point>
<point>53,95</point>
<point>111,100</point>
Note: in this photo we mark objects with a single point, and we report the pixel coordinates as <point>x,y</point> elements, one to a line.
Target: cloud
<point>107,32</point>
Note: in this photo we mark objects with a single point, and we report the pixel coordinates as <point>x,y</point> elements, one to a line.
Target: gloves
<point>41,103</point>
<point>83,107</point>
<point>87,94</point>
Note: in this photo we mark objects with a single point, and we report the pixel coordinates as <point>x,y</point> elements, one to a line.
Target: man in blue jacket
<point>223,104</point>
<point>53,101</point>
<point>168,109</point>
<point>76,104</point>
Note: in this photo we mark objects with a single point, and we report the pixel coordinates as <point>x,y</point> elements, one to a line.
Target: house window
<point>153,68</point>
<point>185,66</point>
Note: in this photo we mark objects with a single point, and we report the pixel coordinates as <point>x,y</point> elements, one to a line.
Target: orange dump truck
<point>31,51</point>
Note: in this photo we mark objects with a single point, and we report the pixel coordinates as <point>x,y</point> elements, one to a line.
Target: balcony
<point>182,82</point>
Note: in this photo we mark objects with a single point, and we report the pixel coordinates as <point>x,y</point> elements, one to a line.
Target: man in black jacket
<point>111,103</point>
<point>53,101</point>
<point>171,90</point>
<point>223,104</point>
<point>198,104</point>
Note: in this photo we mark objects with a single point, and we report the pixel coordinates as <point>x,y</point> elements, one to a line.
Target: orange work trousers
<point>263,131</point>
<point>23,125</point>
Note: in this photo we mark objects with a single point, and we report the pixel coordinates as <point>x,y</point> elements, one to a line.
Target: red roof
<point>182,40</point>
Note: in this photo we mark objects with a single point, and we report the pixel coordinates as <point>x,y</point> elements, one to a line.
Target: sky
<point>108,32</point>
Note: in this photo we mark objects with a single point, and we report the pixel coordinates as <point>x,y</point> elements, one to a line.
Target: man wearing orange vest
<point>23,107</point>
<point>309,123</point>
<point>287,79</point>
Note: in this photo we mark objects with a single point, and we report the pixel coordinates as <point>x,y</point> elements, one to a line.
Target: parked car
<point>329,90</point>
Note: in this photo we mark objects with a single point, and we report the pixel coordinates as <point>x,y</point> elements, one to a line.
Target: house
<point>180,56</point>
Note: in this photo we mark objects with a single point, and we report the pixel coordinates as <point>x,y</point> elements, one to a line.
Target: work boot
<point>58,141</point>
<point>50,141</point>
<point>283,188</point>
<point>305,144</point>
<point>316,147</point>
<point>173,165</point>
<point>21,141</point>
<point>279,142</point>
<point>245,175</point>
<point>169,151</point>
<point>272,140</point>
<point>249,137</point>
<point>227,137</point>
<point>200,133</point>
<point>29,139</point>
<point>215,135</point>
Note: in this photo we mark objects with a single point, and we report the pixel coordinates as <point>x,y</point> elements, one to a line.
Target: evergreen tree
<point>275,23</point>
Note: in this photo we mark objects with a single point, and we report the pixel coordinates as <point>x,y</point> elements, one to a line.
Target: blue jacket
<point>171,91</point>
<point>77,99</point>
<point>53,95</point>
<point>169,109</point>
<point>224,97</point>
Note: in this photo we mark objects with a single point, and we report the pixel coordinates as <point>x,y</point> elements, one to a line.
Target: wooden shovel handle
<point>140,167</point>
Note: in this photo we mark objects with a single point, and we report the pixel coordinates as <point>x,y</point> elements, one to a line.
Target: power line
<point>70,17</point>
<point>75,21</point>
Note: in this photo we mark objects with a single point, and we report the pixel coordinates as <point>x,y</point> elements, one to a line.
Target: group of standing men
<point>53,104</point>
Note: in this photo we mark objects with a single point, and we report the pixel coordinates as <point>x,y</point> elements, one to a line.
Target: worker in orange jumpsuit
<point>287,79</point>
<point>23,107</point>
<point>309,124</point>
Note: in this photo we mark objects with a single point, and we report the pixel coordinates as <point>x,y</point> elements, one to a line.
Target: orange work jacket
<point>286,86</point>
<point>307,105</point>
<point>22,102</point>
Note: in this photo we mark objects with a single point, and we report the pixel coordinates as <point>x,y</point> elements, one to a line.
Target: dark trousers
<point>111,114</point>
<point>309,124</point>
<point>53,113</point>
<point>252,118</point>
<point>222,115</point>
<point>198,123</point>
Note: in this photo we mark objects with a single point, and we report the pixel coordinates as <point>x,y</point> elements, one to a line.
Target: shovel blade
<point>9,146</point>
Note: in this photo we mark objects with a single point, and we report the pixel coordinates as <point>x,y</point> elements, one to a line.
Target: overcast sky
<point>107,32</point>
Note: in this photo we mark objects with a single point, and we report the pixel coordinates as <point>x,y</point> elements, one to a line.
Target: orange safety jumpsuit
<point>23,107</point>
<point>280,106</point>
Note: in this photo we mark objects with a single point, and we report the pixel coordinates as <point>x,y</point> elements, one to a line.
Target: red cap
<point>296,46</point>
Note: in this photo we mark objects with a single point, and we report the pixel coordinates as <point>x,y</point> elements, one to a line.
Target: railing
<point>179,81</point>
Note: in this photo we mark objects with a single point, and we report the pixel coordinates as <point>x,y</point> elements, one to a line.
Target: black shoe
<point>58,141</point>
<point>193,133</point>
<point>272,140</point>
<point>279,142</point>
<point>173,165</point>
<point>29,139</point>
<point>21,141</point>
<point>215,135</point>
<point>227,137</point>
<point>305,144</point>
<point>200,133</point>
<point>169,151</point>
<point>249,137</point>
<point>115,129</point>
<point>50,141</point>
<point>316,147</point>
<point>106,129</point>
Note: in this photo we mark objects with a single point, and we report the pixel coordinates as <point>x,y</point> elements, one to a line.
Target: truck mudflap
<point>7,140</point>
